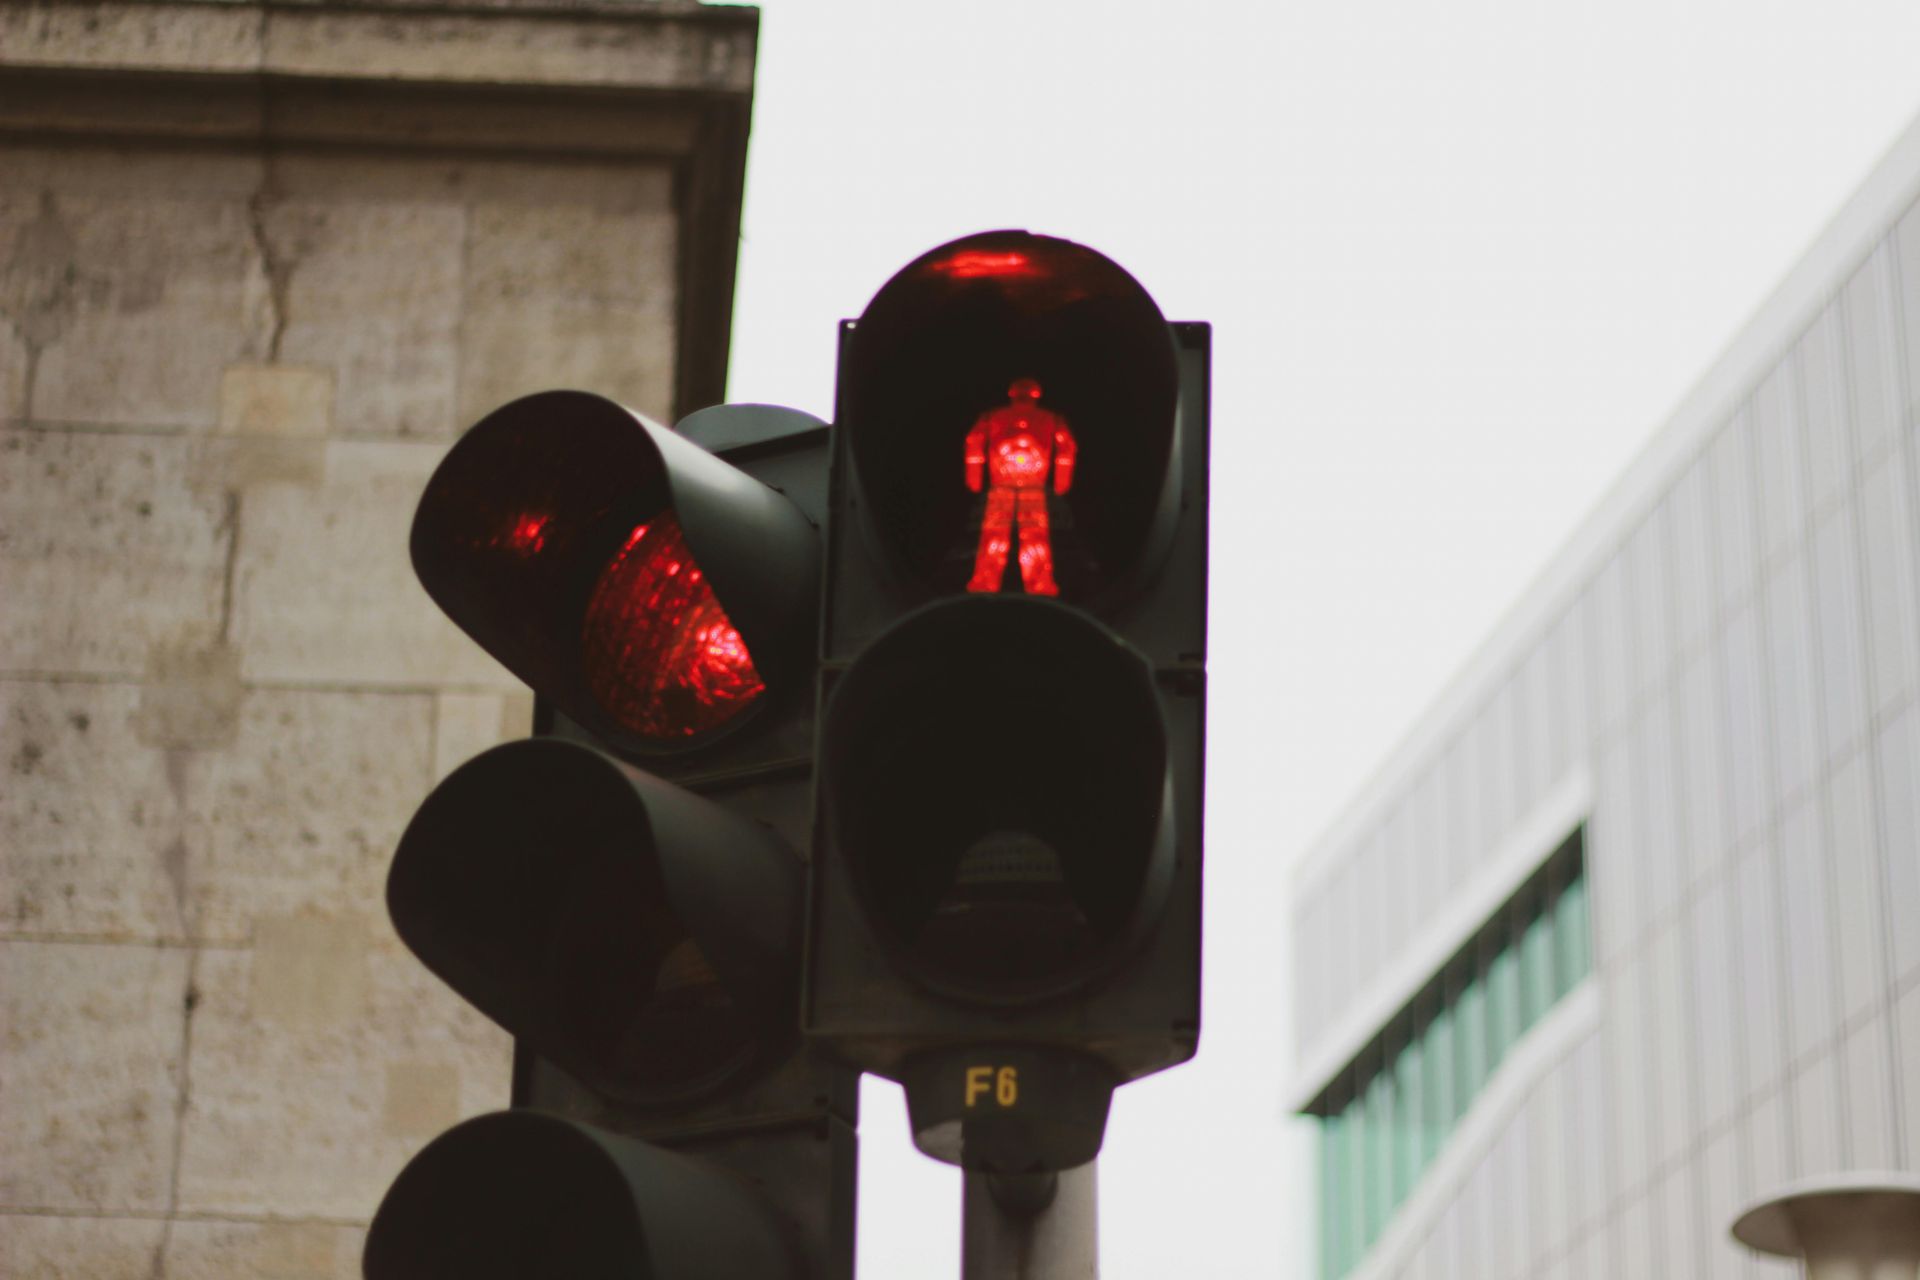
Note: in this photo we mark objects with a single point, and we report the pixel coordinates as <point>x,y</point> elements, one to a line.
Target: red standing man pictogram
<point>1011,451</point>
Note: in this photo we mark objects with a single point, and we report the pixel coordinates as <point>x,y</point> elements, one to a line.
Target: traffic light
<point>623,893</point>
<point>1006,909</point>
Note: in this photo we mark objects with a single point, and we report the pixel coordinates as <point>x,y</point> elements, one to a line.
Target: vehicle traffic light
<point>623,893</point>
<point>1006,909</point>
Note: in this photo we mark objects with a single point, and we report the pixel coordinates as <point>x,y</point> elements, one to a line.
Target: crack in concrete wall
<point>276,267</point>
<point>42,288</point>
<point>183,1103</point>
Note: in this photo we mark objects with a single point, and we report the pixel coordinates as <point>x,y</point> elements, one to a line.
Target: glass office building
<point>1627,934</point>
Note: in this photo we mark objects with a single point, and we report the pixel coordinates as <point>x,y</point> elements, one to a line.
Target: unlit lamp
<point>1847,1226</point>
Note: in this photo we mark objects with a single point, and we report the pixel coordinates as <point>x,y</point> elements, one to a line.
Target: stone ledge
<point>45,102</point>
<point>621,47</point>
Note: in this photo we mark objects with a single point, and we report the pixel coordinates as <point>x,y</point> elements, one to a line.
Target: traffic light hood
<point>519,1193</point>
<point>995,776</point>
<point>634,933</point>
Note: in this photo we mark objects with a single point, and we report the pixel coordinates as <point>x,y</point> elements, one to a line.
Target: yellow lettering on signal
<point>979,1080</point>
<point>1006,1090</point>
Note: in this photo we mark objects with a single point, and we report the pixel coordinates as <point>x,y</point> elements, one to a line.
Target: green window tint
<point>1354,1216</point>
<point>1333,1259</point>
<point>1537,992</point>
<point>1378,1155</point>
<point>1406,1120</point>
<point>1469,1043</point>
<point>1388,1115</point>
<point>1503,1002</point>
<point>1436,1092</point>
<point>1570,935</point>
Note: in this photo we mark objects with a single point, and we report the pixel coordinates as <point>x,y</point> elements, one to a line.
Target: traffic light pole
<point>1030,1227</point>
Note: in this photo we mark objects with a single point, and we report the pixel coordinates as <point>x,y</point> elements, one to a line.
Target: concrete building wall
<point>1719,680</point>
<point>258,268</point>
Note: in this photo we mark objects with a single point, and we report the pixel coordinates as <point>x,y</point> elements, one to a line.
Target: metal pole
<point>1030,1227</point>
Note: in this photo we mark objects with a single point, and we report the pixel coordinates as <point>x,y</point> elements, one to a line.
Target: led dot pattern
<point>659,653</point>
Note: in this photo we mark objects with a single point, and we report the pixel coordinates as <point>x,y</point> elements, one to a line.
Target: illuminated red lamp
<point>589,551</point>
<point>659,653</point>
<point>969,335</point>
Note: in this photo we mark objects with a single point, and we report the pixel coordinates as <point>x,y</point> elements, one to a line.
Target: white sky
<point>1460,259</point>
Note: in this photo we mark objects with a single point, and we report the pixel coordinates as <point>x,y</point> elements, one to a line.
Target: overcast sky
<point>1461,260</point>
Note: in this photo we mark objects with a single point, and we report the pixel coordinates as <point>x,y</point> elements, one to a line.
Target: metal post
<point>1859,1226</point>
<point>1030,1227</point>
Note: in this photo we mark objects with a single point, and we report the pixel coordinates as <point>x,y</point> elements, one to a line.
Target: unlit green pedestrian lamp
<point>1848,1226</point>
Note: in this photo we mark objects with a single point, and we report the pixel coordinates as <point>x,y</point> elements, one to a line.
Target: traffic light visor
<point>506,1196</point>
<point>996,774</point>
<point>648,589</point>
<point>633,933</point>
<point>520,1193</point>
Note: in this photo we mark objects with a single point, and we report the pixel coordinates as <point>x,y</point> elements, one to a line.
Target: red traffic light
<point>660,655</point>
<point>1006,863</point>
<point>649,590</point>
<point>1042,375</point>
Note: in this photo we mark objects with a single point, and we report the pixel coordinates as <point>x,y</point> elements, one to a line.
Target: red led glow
<point>529,532</point>
<point>1010,453</point>
<point>973,264</point>
<point>659,653</point>
<point>523,534</point>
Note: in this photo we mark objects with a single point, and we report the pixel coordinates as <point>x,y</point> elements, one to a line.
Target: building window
<point>1384,1119</point>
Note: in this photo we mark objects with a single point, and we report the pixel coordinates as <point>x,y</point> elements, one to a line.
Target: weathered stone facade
<point>258,266</point>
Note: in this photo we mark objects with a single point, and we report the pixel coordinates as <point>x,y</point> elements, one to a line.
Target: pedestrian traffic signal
<point>639,937</point>
<point>1006,911</point>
